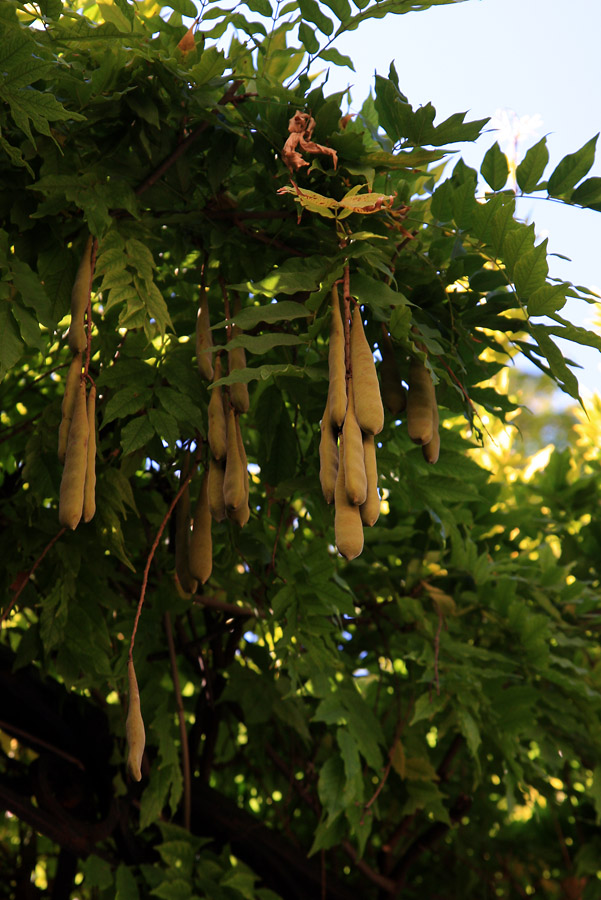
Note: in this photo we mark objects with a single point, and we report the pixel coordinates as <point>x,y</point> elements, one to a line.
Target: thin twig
<point>28,575</point>
<point>185,144</point>
<point>182,722</point>
<point>89,306</point>
<point>9,728</point>
<point>346,289</point>
<point>230,608</point>
<point>155,544</point>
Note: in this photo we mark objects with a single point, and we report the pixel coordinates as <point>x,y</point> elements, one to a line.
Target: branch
<point>230,608</point>
<point>25,578</point>
<point>182,488</point>
<point>173,157</point>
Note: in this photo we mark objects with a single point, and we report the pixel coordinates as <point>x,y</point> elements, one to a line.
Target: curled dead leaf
<point>301,127</point>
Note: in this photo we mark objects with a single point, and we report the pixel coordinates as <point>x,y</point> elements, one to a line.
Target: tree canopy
<point>184,212</point>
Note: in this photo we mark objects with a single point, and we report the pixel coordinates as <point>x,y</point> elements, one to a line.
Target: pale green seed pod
<point>368,402</point>
<point>70,506</point>
<point>134,726</point>
<point>80,294</point>
<point>201,542</point>
<point>336,365</point>
<point>89,491</point>
<point>71,386</point>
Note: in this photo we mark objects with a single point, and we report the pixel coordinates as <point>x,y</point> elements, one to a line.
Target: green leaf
<point>307,38</point>
<point>283,311</point>
<point>211,64</point>
<point>136,434</point>
<point>11,345</point>
<point>530,271</point>
<point>517,242</point>
<point>311,12</point>
<point>165,426</point>
<point>124,403</point>
<point>291,276</point>
<point>330,787</point>
<point>547,299</point>
<point>181,407</point>
<point>373,292</point>
<point>125,884</point>
<point>340,8</point>
<point>263,343</point>
<point>571,169</point>
<point>530,170</point>
<point>427,706</point>
<point>470,731</point>
<point>262,373</point>
<point>565,378</point>
<point>588,194</point>
<point>495,167</point>
<point>339,59</point>
<point>97,872</point>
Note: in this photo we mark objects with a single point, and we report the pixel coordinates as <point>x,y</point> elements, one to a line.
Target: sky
<point>532,58</point>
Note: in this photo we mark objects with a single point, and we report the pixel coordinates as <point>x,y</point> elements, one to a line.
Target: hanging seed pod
<point>80,294</point>
<point>348,527</point>
<point>201,542</point>
<point>71,388</point>
<point>368,402</point>
<point>233,484</point>
<point>241,514</point>
<point>336,365</point>
<point>431,450</point>
<point>70,506</point>
<point>217,430</point>
<point>89,491</point>
<point>421,403</point>
<point>204,337</point>
<point>394,396</point>
<point>134,726</point>
<point>215,489</point>
<point>370,510</point>
<point>328,455</point>
<point>355,477</point>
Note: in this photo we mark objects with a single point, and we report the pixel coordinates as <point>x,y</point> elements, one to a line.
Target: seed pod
<point>421,403</point>
<point>370,510</point>
<point>431,450</point>
<point>134,726</point>
<point>355,477</point>
<point>204,337</point>
<point>336,365</point>
<point>368,402</point>
<point>241,515</point>
<point>89,490</point>
<point>71,386</point>
<point>217,426</point>
<point>215,488</point>
<point>328,455</point>
<point>393,392</point>
<point>348,527</point>
<point>70,505</point>
<point>182,541</point>
<point>80,294</point>
<point>233,483</point>
<point>201,543</point>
